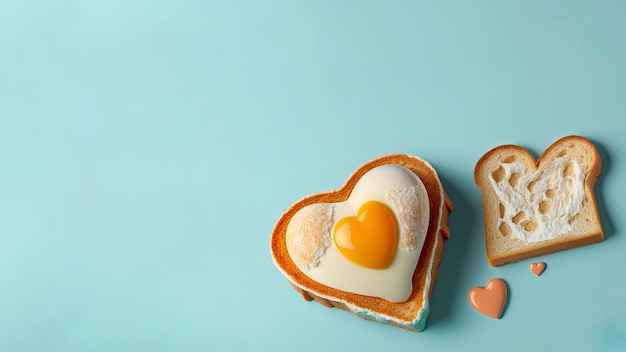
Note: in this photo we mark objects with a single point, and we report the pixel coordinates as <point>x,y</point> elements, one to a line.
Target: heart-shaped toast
<point>373,246</point>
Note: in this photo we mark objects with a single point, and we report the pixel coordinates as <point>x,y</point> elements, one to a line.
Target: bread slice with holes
<point>308,223</point>
<point>532,208</point>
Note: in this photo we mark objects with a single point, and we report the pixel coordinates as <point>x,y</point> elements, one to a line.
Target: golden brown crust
<point>312,290</point>
<point>481,174</point>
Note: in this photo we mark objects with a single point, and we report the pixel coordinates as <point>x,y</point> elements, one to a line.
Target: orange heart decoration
<point>489,300</point>
<point>537,268</point>
<point>370,238</point>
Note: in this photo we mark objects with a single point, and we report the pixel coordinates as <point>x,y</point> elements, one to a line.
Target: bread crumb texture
<point>538,206</point>
<point>309,234</point>
<point>413,210</point>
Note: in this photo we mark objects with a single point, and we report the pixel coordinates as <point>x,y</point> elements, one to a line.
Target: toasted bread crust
<point>404,314</point>
<point>520,250</point>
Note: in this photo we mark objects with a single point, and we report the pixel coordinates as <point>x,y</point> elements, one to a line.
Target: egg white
<point>393,283</point>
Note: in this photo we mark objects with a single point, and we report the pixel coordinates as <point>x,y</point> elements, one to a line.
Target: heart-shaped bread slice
<point>539,207</point>
<point>304,241</point>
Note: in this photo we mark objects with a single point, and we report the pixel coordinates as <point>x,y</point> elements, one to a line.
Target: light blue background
<point>147,148</point>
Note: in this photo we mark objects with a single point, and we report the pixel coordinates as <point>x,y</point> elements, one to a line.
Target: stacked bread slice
<point>410,313</point>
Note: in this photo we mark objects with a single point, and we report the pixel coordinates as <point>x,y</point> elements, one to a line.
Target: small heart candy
<point>489,300</point>
<point>537,268</point>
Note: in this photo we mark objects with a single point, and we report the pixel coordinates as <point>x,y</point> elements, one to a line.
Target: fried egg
<point>369,244</point>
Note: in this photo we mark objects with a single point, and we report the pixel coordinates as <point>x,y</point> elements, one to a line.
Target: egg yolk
<point>370,238</point>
